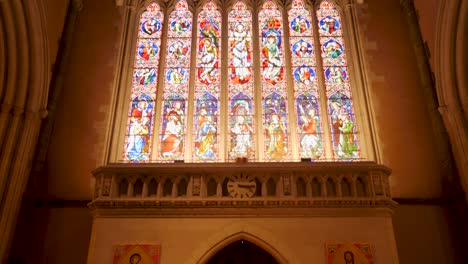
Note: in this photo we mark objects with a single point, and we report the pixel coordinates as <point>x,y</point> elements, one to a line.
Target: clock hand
<point>245,186</point>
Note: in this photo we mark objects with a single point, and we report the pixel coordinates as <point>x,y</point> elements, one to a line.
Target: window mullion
<point>160,90</point>
<point>191,97</point>
<point>224,91</point>
<point>258,102</point>
<point>294,142</point>
<point>328,148</point>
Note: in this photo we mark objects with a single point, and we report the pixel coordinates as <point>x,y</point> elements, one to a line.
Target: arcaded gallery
<point>233,131</point>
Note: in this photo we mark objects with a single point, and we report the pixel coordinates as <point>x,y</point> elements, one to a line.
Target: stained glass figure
<point>176,76</point>
<point>207,87</point>
<point>173,121</point>
<point>241,127</point>
<point>140,125</point>
<point>338,91</point>
<point>276,140</point>
<point>306,92</point>
<point>139,136</point>
<point>241,93</point>
<point>273,82</point>
<point>308,123</point>
<point>206,129</point>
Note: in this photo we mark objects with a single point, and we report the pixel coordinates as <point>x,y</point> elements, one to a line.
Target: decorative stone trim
<point>159,186</point>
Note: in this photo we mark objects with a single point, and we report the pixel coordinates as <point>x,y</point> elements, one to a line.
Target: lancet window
<point>282,95</point>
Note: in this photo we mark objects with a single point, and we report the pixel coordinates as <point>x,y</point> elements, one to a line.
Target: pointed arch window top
<point>298,4</point>
<point>181,5</point>
<point>239,5</point>
<point>210,6</point>
<point>153,7</point>
<point>269,5</point>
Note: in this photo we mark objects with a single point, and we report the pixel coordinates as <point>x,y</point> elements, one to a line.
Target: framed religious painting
<point>349,253</point>
<point>137,254</point>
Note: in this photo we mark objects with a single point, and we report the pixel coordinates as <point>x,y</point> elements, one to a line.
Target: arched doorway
<point>242,252</point>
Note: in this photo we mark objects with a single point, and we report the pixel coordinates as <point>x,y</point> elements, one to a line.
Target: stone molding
<point>123,189</point>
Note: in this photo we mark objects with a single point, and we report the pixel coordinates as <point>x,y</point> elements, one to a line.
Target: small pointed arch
<point>179,5</point>
<point>243,236</point>
<point>301,189</point>
<point>361,190</point>
<point>316,187</point>
<point>148,5</point>
<point>258,189</point>
<point>345,187</point>
<point>331,187</point>
<point>271,187</point>
<point>211,187</point>
<point>123,187</point>
<point>182,187</point>
<point>138,188</point>
<point>239,5</point>
<point>211,6</point>
<point>329,4</point>
<point>152,187</point>
<point>270,4</point>
<point>308,5</point>
<point>167,187</point>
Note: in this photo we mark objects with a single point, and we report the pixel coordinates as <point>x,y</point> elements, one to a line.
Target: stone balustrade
<point>239,185</point>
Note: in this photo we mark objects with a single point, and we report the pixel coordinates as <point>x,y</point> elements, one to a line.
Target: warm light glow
<point>239,109</point>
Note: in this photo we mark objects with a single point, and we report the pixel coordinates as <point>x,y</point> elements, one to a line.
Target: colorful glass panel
<point>306,92</point>
<point>241,93</point>
<point>139,132</point>
<point>338,91</point>
<point>176,79</point>
<point>207,85</point>
<point>273,82</point>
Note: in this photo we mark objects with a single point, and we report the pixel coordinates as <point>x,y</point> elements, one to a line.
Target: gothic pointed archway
<point>242,251</point>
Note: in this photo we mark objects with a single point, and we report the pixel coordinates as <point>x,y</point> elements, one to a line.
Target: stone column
<point>429,92</point>
<point>24,126</point>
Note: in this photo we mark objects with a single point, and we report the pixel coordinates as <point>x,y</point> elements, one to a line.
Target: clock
<point>241,186</point>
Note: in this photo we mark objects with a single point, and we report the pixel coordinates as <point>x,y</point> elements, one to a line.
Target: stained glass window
<point>273,82</point>
<point>306,93</point>
<point>176,80</point>
<point>241,92</point>
<point>339,101</point>
<point>255,123</point>
<point>139,136</point>
<point>207,87</point>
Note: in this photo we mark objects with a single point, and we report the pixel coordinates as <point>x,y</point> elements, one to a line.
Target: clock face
<point>241,186</point>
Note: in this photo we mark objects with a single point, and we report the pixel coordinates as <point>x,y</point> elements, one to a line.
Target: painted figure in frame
<point>135,259</point>
<point>349,253</point>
